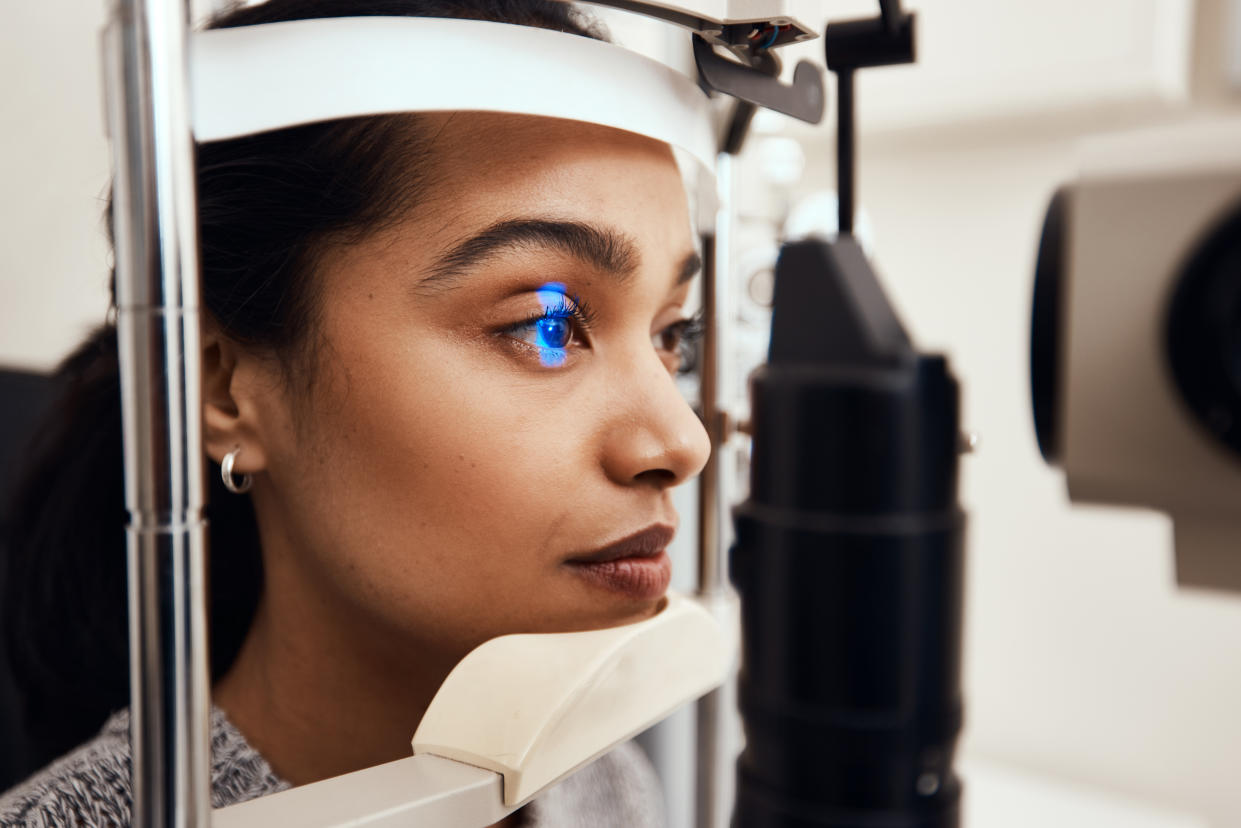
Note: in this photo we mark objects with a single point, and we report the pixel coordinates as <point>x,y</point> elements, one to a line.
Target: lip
<point>636,565</point>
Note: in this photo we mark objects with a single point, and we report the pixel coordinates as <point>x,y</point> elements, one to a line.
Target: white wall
<point>54,165</point>
<point>55,169</point>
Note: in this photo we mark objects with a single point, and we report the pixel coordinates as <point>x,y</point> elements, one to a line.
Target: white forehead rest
<point>252,79</point>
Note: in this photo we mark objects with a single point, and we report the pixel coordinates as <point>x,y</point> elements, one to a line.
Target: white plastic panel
<point>537,707</point>
<point>417,790</point>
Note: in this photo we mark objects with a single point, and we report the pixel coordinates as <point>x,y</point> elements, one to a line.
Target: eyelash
<point>574,309</point>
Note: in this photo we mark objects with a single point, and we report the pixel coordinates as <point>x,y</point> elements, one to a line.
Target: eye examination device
<point>829,607</point>
<point>1136,336</point>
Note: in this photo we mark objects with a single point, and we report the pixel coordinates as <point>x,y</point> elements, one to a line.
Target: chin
<point>621,613</point>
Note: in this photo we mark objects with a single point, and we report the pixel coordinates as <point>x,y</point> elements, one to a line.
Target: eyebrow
<point>607,250</point>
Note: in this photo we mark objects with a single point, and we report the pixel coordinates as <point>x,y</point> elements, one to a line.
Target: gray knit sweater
<point>91,785</point>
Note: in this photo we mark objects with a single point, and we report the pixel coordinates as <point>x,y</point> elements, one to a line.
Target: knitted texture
<point>619,790</point>
<point>91,786</point>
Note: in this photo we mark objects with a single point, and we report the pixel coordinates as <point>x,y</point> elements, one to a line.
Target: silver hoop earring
<point>226,473</point>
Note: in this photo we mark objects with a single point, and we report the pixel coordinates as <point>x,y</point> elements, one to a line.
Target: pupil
<point>553,333</point>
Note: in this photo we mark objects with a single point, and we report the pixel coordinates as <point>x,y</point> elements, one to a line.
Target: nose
<point>653,436</point>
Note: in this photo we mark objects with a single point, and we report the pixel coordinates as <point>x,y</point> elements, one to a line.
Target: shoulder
<point>618,790</point>
<point>91,786</point>
<point>239,773</point>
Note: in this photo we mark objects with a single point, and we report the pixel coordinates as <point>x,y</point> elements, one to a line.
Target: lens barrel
<point>1203,332</point>
<point>849,563</point>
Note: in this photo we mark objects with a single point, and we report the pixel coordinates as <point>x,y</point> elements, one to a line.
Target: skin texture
<point>423,494</point>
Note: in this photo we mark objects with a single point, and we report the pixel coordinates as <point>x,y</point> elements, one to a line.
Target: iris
<point>554,330</point>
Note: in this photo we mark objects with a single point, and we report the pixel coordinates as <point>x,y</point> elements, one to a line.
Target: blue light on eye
<point>553,332</point>
<point>552,295</point>
<point>552,357</point>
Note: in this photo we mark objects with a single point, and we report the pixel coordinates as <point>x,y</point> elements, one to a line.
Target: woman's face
<point>494,396</point>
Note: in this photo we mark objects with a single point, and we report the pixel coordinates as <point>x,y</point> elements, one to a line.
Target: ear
<point>230,406</point>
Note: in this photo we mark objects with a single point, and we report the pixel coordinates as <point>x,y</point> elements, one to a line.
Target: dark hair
<point>268,206</point>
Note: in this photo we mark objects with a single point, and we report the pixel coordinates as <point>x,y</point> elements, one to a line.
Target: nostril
<point>658,477</point>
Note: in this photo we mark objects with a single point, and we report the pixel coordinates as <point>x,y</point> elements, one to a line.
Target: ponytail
<point>64,601</point>
<point>65,608</point>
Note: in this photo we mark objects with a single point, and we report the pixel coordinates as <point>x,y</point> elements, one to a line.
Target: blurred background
<point>1095,689</point>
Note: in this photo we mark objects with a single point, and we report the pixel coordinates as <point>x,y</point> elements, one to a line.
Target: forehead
<point>489,165</point>
<point>505,138</point>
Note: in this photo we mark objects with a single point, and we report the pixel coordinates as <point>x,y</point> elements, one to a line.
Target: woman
<point>442,348</point>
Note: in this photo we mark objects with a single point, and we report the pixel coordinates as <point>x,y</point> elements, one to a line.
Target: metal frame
<point>714,713</point>
<point>157,293</point>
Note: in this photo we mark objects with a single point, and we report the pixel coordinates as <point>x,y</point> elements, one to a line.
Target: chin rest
<point>515,716</point>
<point>535,708</point>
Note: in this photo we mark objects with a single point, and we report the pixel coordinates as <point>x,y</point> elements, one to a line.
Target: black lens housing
<point>849,563</point>
<point>1203,332</point>
<point>1046,334</point>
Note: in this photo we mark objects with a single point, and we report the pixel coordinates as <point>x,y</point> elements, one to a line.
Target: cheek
<point>440,485</point>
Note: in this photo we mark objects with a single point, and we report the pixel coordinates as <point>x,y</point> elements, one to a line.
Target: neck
<point>320,687</point>
<point>319,695</point>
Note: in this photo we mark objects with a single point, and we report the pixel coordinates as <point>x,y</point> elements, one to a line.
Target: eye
<point>556,329</point>
<point>553,332</point>
<point>678,344</point>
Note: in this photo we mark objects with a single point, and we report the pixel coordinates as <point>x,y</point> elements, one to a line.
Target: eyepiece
<point>1203,332</point>
<point>1046,333</point>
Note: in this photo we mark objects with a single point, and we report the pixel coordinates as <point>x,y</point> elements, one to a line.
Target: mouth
<point>636,566</point>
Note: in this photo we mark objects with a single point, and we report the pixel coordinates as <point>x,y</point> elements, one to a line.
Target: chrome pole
<point>157,294</point>
<point>717,742</point>
<point>715,530</point>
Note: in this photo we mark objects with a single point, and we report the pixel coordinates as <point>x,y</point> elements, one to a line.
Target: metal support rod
<point>846,158</point>
<point>890,11</point>
<point>157,298</point>
<point>858,44</point>
<point>710,574</point>
<point>710,811</point>
<point>713,504</point>
<point>716,712</point>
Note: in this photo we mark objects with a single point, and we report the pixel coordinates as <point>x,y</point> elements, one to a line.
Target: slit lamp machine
<point>846,555</point>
